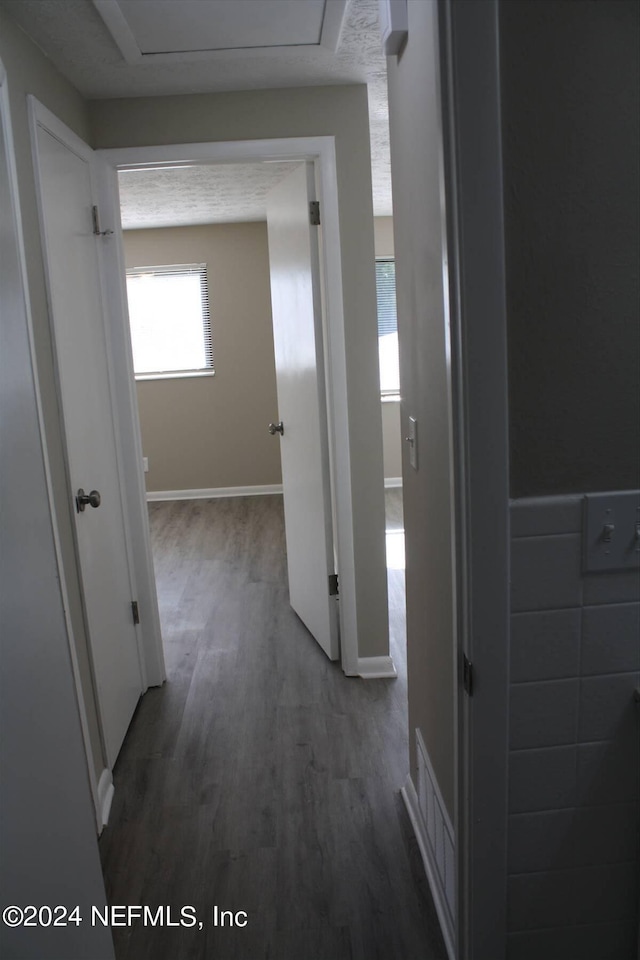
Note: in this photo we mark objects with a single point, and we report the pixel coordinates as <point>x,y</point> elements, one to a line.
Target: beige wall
<point>188,443</point>
<point>30,72</point>
<point>341,112</point>
<point>391,436</point>
<point>203,432</point>
<point>383,236</point>
<point>415,134</point>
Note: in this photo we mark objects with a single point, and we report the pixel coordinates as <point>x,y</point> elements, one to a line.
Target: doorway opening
<point>321,151</point>
<point>227,312</point>
<point>177,214</point>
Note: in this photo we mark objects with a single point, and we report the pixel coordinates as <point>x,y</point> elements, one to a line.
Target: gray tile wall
<point>574,764</point>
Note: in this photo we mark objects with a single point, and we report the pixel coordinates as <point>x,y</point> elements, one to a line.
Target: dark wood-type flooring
<point>259,778</point>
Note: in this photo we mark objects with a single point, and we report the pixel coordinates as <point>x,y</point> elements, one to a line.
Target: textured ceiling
<point>220,193</point>
<point>73,35</point>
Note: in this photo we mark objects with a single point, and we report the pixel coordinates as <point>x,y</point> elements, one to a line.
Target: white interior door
<point>72,265</point>
<point>297,332</point>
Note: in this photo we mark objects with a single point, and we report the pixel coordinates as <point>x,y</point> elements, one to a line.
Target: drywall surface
<point>47,828</point>
<point>391,439</point>
<point>422,322</point>
<point>570,140</point>
<point>341,112</point>
<point>383,236</point>
<point>207,432</point>
<point>29,72</point>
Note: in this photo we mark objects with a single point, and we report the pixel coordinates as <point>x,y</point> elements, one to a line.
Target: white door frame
<point>469,49</point>
<point>321,150</point>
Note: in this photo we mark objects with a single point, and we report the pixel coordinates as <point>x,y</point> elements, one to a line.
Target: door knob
<point>82,499</point>
<point>276,428</point>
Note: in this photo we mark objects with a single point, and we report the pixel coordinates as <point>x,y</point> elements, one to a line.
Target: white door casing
<point>63,174</point>
<point>322,150</point>
<point>302,406</point>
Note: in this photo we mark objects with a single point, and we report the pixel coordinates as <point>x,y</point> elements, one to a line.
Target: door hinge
<point>135,611</point>
<point>333,585</point>
<point>96,224</point>
<point>314,213</point>
<point>467,675</point>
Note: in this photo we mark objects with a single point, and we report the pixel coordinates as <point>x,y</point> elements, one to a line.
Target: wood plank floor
<point>259,778</point>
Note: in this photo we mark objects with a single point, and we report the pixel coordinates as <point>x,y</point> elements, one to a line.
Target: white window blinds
<point>170,320</point>
<point>387,327</point>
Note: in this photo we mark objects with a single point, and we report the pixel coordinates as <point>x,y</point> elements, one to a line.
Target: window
<point>169,317</point>
<point>387,328</point>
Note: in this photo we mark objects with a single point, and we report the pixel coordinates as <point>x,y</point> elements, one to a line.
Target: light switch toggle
<point>611,531</point>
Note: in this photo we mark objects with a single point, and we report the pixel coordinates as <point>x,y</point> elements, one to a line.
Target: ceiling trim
<point>334,17</point>
<point>109,10</point>
<point>119,29</point>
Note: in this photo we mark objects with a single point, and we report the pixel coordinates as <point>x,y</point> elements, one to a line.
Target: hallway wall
<point>570,147</point>
<point>571,187</point>
<point>424,376</point>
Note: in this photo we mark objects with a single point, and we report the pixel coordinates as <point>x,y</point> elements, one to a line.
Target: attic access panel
<point>156,31</point>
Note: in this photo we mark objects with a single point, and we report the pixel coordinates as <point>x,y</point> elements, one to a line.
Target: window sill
<point>175,375</point>
<point>390,397</point>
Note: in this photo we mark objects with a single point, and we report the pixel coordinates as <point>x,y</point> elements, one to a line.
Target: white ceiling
<point>222,193</point>
<point>74,35</point>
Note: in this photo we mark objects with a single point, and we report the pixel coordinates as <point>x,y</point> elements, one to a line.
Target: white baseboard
<point>105,795</point>
<point>376,668</point>
<point>435,836</point>
<point>213,493</point>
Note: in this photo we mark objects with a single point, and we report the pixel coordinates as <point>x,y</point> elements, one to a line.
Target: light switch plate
<point>145,464</point>
<point>611,531</point>
<point>412,440</point>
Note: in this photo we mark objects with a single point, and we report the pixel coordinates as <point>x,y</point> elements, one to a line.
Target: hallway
<point>259,778</point>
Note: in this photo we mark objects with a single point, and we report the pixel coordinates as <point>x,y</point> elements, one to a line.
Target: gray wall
<point>415,163</point>
<point>341,112</point>
<point>570,90</point>
<point>570,140</point>
<point>47,827</point>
